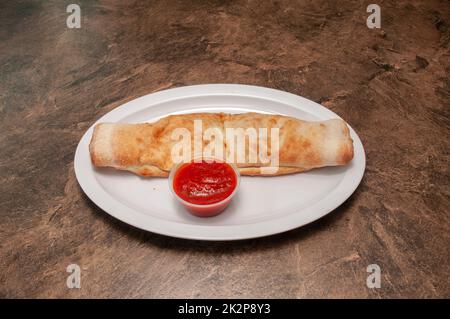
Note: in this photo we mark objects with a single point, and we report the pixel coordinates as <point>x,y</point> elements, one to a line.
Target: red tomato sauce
<point>204,183</point>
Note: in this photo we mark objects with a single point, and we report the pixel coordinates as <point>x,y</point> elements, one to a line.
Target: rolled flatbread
<point>148,149</point>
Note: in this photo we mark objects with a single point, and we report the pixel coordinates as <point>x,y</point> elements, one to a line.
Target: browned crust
<point>346,154</point>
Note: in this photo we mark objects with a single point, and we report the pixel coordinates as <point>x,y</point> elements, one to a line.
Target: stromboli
<point>145,149</point>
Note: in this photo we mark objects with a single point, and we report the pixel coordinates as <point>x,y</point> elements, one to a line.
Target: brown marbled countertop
<point>392,85</point>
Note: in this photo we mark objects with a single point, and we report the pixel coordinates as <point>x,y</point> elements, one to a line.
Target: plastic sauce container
<point>204,187</point>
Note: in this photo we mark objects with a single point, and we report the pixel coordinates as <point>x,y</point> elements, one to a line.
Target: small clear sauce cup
<point>206,210</point>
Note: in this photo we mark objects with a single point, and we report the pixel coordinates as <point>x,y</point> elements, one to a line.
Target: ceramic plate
<point>263,206</point>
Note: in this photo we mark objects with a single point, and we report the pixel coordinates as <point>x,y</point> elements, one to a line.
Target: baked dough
<point>146,149</point>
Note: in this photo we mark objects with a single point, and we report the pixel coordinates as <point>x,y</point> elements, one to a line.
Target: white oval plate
<point>263,206</point>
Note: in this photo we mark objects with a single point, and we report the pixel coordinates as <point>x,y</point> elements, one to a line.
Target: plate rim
<point>133,217</point>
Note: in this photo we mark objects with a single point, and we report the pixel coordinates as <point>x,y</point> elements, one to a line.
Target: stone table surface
<point>391,84</point>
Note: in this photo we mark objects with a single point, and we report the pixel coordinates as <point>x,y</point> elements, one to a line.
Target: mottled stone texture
<point>392,85</point>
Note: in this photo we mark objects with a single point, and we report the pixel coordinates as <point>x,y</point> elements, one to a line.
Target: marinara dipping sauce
<point>204,187</point>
